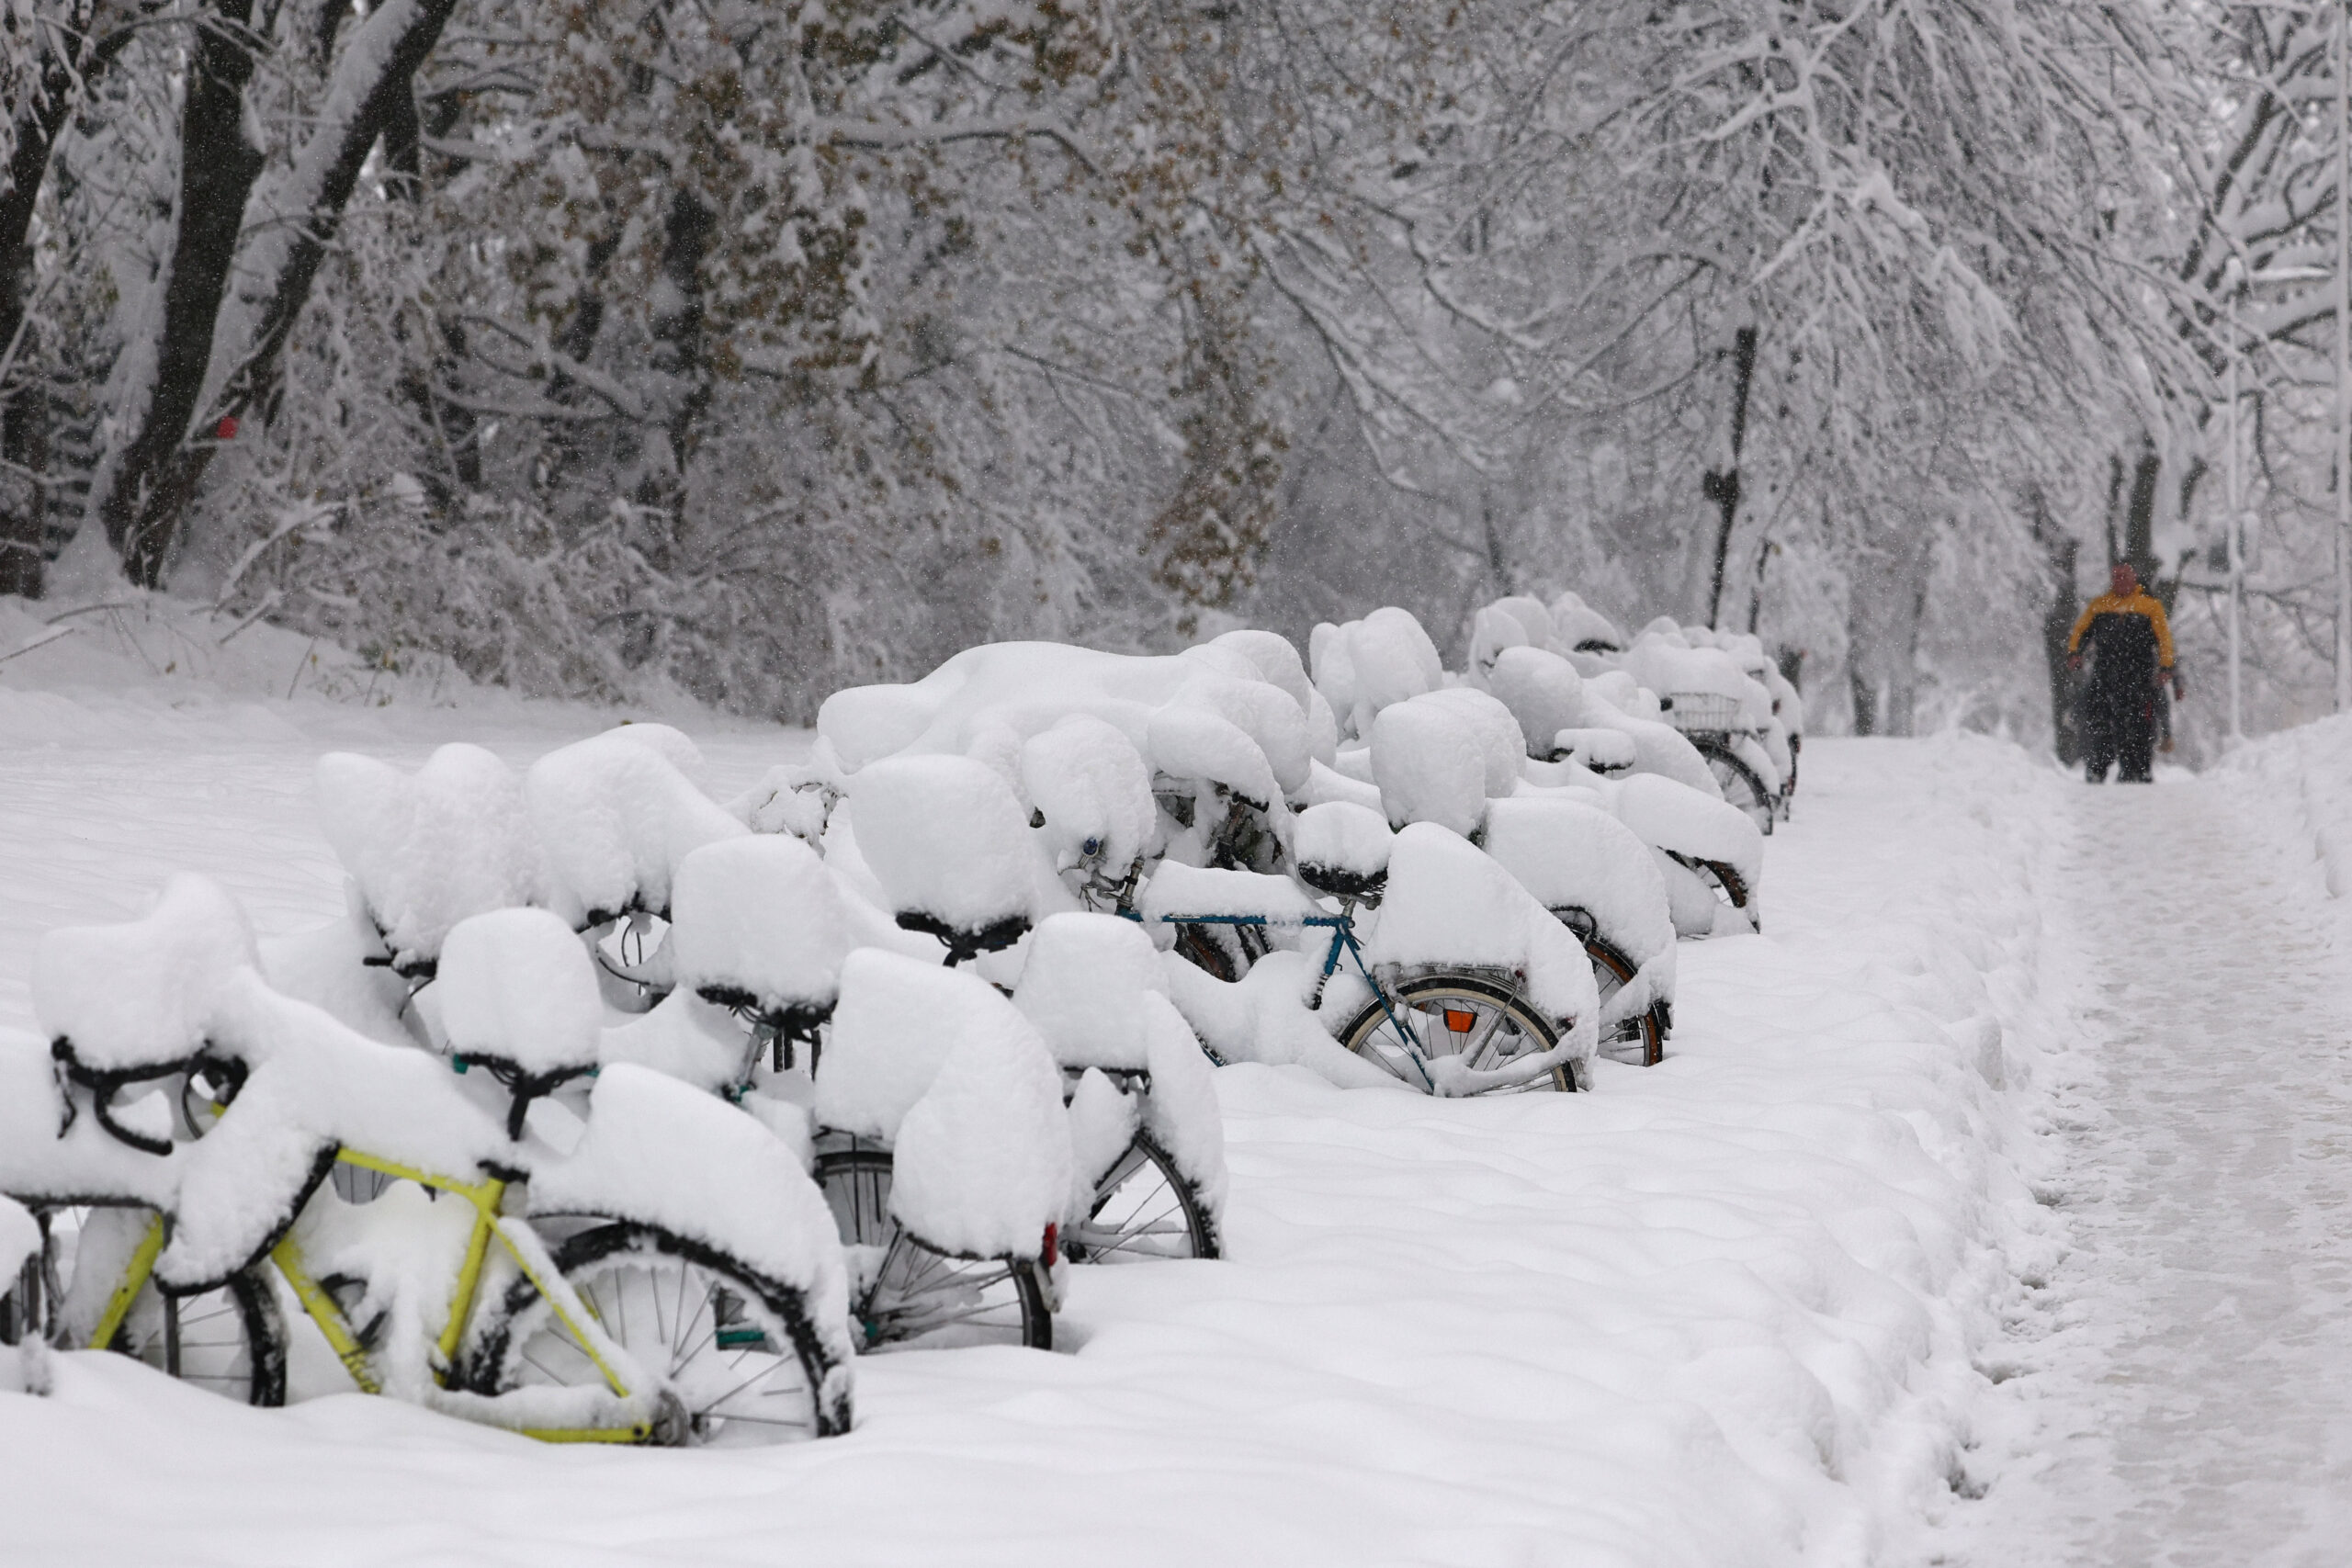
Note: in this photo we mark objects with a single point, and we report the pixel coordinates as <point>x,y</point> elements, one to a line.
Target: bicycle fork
<point>1343,935</point>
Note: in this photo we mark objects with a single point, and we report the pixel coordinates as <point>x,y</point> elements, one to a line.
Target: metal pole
<point>2237,515</point>
<point>2342,363</point>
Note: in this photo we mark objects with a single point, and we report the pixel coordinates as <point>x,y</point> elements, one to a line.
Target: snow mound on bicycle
<point>1448,904</point>
<point>141,994</point>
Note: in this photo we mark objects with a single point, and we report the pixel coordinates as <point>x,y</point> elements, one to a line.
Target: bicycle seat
<point>517,997</point>
<point>422,851</point>
<point>1341,850</point>
<point>759,926</point>
<point>948,841</point>
<point>966,943</point>
<point>614,815</point>
<point>131,1003</point>
<point>1605,751</point>
<point>1084,984</point>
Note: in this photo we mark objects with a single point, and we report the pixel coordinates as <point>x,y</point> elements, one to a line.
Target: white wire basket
<point>1702,713</point>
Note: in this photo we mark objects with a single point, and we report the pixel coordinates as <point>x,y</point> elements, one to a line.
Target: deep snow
<point>1730,1310</point>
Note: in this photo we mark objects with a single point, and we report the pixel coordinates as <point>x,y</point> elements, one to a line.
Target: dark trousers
<point>2119,727</point>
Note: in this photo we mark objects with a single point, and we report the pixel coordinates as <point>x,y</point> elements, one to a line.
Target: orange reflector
<point>1460,1022</point>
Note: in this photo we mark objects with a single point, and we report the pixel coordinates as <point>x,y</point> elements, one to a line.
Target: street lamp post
<point>2237,508</point>
<point>2343,362</point>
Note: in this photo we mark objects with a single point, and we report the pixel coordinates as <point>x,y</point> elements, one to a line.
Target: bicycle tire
<point>1636,1040</point>
<point>1429,993</point>
<point>19,1304</point>
<point>229,1340</point>
<point>1741,784</point>
<point>1144,1208</point>
<point>912,1295</point>
<point>1729,888</point>
<point>719,1321</point>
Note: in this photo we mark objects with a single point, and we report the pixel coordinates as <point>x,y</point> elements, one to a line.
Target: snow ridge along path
<point>2190,1395</point>
<point>1728,1311</point>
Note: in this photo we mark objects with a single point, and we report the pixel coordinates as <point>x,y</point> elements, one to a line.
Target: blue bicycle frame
<point>1343,939</point>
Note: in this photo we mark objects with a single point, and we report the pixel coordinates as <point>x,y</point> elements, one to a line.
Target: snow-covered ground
<point>2186,1387</point>
<point>1745,1307</point>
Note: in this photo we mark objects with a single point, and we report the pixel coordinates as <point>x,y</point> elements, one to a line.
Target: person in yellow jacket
<point>2125,636</point>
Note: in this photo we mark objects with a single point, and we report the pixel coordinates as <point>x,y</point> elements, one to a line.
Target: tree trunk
<point>2139,516</point>
<point>678,348</point>
<point>1865,695</point>
<point>218,167</point>
<point>2062,552</point>
<point>1765,549</point>
<point>1721,486</point>
<point>363,97</point>
<point>1861,676</point>
<point>1902,645</point>
<point>2114,500</point>
<point>49,101</point>
<point>456,428</point>
<point>1886,603</point>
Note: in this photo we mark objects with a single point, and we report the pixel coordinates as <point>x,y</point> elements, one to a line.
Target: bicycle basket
<point>1703,712</point>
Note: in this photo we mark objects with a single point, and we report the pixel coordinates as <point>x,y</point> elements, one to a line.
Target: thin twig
<point>298,670</point>
<point>42,641</point>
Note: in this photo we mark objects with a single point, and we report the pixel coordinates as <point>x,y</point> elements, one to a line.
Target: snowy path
<point>2196,1397</point>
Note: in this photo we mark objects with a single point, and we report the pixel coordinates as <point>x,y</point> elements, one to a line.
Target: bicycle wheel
<point>736,1367</point>
<point>1144,1208</point>
<point>1725,884</point>
<point>20,1304</point>
<point>910,1296</point>
<point>1741,785</point>
<point>1464,1032</point>
<point>229,1341</point>
<point>1637,1039</point>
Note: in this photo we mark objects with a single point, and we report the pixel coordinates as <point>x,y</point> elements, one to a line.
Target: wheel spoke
<point>761,1376</point>
<point>734,1416</point>
<point>676,1318</point>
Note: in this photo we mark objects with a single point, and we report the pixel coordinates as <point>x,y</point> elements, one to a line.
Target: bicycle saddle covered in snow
<point>517,996</point>
<point>946,838</point>
<point>131,1003</point>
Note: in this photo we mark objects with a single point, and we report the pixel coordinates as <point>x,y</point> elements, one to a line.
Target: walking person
<point>2124,635</point>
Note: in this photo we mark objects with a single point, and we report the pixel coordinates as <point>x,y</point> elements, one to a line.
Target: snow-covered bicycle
<point>1466,987</point>
<point>946,841</point>
<point>580,1293</point>
<point>1713,723</point>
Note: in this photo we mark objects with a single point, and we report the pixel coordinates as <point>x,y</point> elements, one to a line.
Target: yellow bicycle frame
<point>485,1196</point>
